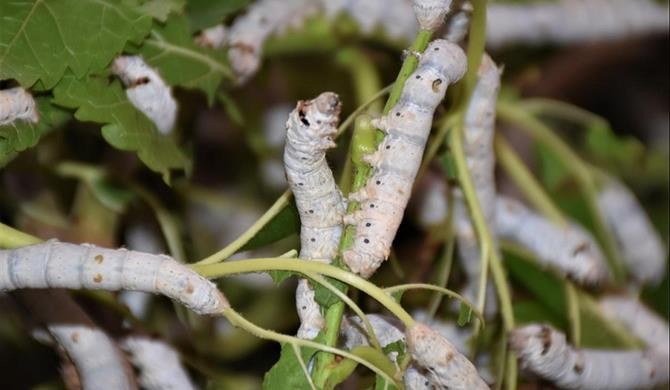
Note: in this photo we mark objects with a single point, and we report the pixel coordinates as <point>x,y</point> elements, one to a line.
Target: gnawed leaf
<point>124,127</point>
<point>40,39</point>
<point>161,9</point>
<point>207,13</point>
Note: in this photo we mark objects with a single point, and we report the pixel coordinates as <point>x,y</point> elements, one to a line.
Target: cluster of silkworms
<point>147,91</point>
<point>544,351</point>
<point>17,104</point>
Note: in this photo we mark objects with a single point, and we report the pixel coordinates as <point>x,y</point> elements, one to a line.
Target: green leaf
<point>287,372</point>
<point>40,39</point>
<point>181,62</point>
<point>325,297</point>
<point>161,9</point>
<point>207,13</point>
<point>21,135</point>
<point>279,276</point>
<point>530,311</point>
<point>602,143</point>
<point>552,172</point>
<point>124,127</point>
<point>284,224</point>
<point>464,314</point>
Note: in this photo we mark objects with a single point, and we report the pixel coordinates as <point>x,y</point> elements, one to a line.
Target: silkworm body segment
<point>16,104</point>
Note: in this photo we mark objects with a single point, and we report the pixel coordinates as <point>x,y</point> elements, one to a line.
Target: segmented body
<point>398,156</point>
<point>55,264</point>
<point>16,104</point>
<point>147,91</point>
<point>642,322</point>
<point>430,13</point>
<point>158,364</point>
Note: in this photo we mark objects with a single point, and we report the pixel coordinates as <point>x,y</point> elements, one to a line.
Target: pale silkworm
<point>264,19</point>
<point>158,364</point>
<point>147,91</point>
<point>430,13</point>
<point>387,331</point>
<point>571,21</point>
<point>544,351</point>
<point>17,104</point>
<point>398,156</point>
<point>213,37</point>
<point>568,249</point>
<point>55,264</point>
<point>445,366</point>
<point>478,134</point>
<point>641,246</point>
<point>642,322</point>
<point>310,130</point>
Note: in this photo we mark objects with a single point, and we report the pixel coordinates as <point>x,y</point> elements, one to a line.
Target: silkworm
<point>55,264</point>
<point>17,104</point>
<point>544,351</point>
<point>158,364</point>
<point>569,249</point>
<point>310,130</point>
<point>445,366</point>
<point>430,13</point>
<point>147,91</point>
<point>570,21</point>
<point>264,19</point>
<point>642,322</point>
<point>398,156</point>
<point>387,331</point>
<point>641,246</point>
<point>213,37</point>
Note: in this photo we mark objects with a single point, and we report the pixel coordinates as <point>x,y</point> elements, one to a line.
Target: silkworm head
<point>328,103</point>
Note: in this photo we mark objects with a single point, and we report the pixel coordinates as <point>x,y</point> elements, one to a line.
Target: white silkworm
<point>445,366</point>
<point>398,156</point>
<point>568,249</point>
<point>17,104</point>
<point>158,364</point>
<point>544,351</point>
<point>310,130</point>
<point>147,91</point>
<point>97,360</point>
<point>55,264</point>
<point>387,330</point>
<point>263,19</point>
<point>430,13</point>
<point>642,322</point>
<point>213,37</point>
<point>641,246</point>
<point>570,21</point>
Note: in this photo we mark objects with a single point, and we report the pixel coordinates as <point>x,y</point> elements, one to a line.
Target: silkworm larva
<point>310,130</point>
<point>17,104</point>
<point>147,91</point>
<point>642,322</point>
<point>158,364</point>
<point>568,249</point>
<point>544,351</point>
<point>569,21</point>
<point>213,37</point>
<point>641,246</point>
<point>263,19</point>
<point>446,367</point>
<point>387,330</point>
<point>398,156</point>
<point>55,264</point>
<point>430,13</point>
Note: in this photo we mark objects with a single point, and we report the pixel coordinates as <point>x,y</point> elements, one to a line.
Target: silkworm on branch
<point>430,13</point>
<point>17,104</point>
<point>213,37</point>
<point>543,351</point>
<point>158,364</point>
<point>55,264</point>
<point>398,156</point>
<point>310,130</point>
<point>641,246</point>
<point>147,91</point>
<point>569,249</point>
<point>386,329</point>
<point>642,322</point>
<point>444,365</point>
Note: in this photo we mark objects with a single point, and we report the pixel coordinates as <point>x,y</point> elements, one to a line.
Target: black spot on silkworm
<point>372,205</point>
<point>436,85</point>
<point>318,122</point>
<point>304,121</point>
<point>580,248</point>
<point>301,184</point>
<point>378,182</point>
<point>304,308</point>
<point>578,368</point>
<point>368,224</point>
<point>388,146</point>
<point>302,115</point>
<point>418,77</point>
<point>139,81</point>
<point>398,113</point>
<point>313,239</point>
<point>545,334</point>
<point>436,49</point>
<point>311,211</point>
<point>366,241</point>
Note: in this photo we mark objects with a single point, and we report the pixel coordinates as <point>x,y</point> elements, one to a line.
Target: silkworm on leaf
<point>310,130</point>
<point>398,156</point>
<point>213,37</point>
<point>17,104</point>
<point>158,364</point>
<point>544,351</point>
<point>569,249</point>
<point>641,246</point>
<point>430,13</point>
<point>147,91</point>
<point>642,322</point>
<point>445,366</point>
<point>55,264</point>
